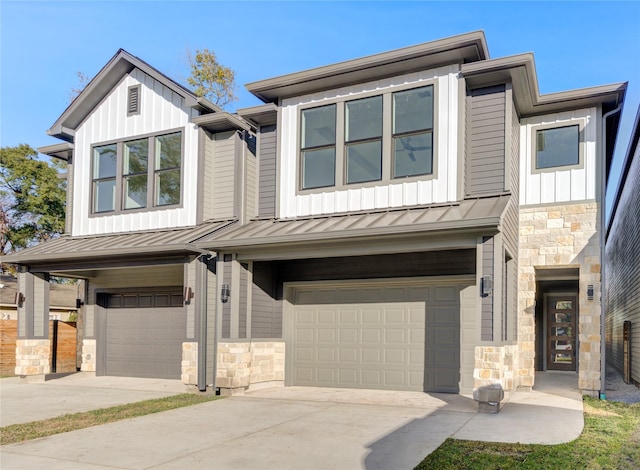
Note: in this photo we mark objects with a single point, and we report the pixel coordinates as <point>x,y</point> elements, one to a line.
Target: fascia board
<point>261,115</point>
<point>220,122</point>
<point>63,151</point>
<point>464,48</point>
<point>119,65</point>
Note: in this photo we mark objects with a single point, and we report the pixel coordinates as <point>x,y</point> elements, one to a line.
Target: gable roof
<point>120,64</point>
<point>469,47</point>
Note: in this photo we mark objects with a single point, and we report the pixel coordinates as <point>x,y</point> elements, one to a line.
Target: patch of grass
<point>610,440</point>
<point>72,422</point>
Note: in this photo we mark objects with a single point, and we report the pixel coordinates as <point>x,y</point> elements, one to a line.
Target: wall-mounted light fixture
<point>188,295</point>
<point>19,299</point>
<point>225,293</point>
<point>486,286</point>
<point>590,292</point>
<point>79,303</point>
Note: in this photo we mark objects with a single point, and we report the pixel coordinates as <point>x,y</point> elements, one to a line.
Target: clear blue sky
<point>44,44</point>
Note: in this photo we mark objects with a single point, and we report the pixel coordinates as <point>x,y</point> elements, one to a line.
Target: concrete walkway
<point>297,427</point>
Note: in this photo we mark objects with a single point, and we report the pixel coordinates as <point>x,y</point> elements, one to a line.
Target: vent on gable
<point>133,100</point>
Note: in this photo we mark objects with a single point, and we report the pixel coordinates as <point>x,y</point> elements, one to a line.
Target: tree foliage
<point>210,79</point>
<point>83,81</point>
<point>32,199</point>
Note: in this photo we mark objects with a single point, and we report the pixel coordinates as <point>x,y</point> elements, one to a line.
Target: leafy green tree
<point>210,79</point>
<point>32,199</point>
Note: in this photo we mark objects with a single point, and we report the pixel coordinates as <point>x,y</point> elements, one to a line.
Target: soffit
<point>63,151</point>
<point>468,215</point>
<point>464,48</point>
<point>60,295</point>
<point>151,242</point>
<point>221,122</point>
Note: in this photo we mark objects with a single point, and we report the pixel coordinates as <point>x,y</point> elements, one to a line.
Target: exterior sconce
<point>19,299</point>
<point>79,303</point>
<point>225,293</point>
<point>486,286</point>
<point>188,295</point>
<point>590,292</point>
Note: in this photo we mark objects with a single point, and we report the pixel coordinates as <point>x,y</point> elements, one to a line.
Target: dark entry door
<point>561,332</point>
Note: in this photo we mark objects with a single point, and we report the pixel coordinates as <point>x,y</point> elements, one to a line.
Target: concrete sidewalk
<point>300,427</point>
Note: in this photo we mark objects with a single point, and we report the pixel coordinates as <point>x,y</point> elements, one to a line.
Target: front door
<point>561,332</point>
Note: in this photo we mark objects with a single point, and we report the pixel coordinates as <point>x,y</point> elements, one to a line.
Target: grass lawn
<point>610,440</point>
<point>71,422</point>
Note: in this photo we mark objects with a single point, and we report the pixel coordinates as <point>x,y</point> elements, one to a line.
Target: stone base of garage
<point>32,359</point>
<point>493,376</point>
<point>243,365</point>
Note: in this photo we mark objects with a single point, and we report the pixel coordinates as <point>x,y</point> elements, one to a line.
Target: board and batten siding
<point>161,110</point>
<point>440,187</point>
<point>224,175</point>
<point>267,157</point>
<point>485,141</point>
<point>486,321</point>
<point>251,178</point>
<point>551,185</point>
<point>266,317</point>
<point>623,272</point>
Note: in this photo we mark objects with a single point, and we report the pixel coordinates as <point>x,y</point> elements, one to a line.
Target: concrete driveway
<point>293,428</point>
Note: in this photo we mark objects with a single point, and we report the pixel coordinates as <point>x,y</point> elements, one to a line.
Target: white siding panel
<point>561,185</point>
<point>441,187</point>
<point>161,110</point>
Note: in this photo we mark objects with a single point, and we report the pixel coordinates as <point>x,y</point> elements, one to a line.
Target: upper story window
<point>376,138</point>
<point>137,174</point>
<point>557,147</point>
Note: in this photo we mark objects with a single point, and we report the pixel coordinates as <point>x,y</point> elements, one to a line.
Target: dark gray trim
<point>201,175</point>
<point>62,151</point>
<point>468,47</point>
<point>201,321</point>
<point>488,269</point>
<point>262,115</point>
<point>222,122</point>
<point>580,122</point>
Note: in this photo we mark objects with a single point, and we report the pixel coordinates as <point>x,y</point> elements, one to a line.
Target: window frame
<point>151,174</point>
<point>533,151</point>
<point>387,139</point>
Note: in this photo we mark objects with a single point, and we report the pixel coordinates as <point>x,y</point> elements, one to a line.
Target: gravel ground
<point>617,390</point>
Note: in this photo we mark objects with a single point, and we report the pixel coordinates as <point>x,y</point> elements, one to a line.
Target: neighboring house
<point>622,279</point>
<point>62,300</point>
<point>420,219</point>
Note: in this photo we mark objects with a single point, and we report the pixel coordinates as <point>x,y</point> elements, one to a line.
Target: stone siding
<point>33,357</point>
<point>495,367</point>
<point>563,235</point>
<point>189,373</point>
<point>241,365</point>
<point>88,355</point>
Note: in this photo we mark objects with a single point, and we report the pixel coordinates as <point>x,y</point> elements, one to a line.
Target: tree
<point>83,81</point>
<point>32,199</point>
<point>210,79</point>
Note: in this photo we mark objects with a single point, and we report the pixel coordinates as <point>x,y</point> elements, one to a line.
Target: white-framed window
<point>136,174</point>
<point>378,137</point>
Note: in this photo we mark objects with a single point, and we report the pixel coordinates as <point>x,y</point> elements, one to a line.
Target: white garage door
<point>389,337</point>
<point>144,336</point>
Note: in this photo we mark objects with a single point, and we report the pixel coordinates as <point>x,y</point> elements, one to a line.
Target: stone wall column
<point>32,358</point>
<point>88,355</point>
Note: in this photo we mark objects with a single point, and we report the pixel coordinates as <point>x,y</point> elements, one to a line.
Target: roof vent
<point>133,100</point>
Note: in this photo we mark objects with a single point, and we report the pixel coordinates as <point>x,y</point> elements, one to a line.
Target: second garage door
<point>391,337</point>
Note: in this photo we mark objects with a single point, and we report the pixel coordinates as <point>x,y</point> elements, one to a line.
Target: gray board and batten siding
<point>267,176</point>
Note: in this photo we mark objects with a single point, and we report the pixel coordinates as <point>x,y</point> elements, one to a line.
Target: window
<point>126,176</point>
<point>376,138</point>
<point>556,147</point>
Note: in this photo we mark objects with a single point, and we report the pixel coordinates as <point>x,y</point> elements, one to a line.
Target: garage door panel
<point>326,354</point>
<point>370,335</point>
<point>371,316</point>
<point>348,316</point>
<point>395,356</point>
<point>395,336</point>
<point>395,315</point>
<point>348,335</point>
<point>349,355</point>
<point>371,356</point>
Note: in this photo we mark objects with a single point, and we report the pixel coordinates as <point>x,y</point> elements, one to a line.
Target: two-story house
<point>420,219</point>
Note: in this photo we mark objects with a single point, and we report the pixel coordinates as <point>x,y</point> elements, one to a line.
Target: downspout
<point>603,219</point>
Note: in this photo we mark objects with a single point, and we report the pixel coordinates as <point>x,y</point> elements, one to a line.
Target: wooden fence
<point>63,348</point>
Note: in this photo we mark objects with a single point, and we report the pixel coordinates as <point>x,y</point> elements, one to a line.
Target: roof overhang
<point>470,47</point>
<point>469,216</point>
<point>262,115</point>
<point>165,242</point>
<point>62,151</point>
<point>221,122</point>
<point>120,64</point>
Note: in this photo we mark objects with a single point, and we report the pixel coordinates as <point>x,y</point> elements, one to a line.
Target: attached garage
<point>143,334</point>
<point>388,335</point>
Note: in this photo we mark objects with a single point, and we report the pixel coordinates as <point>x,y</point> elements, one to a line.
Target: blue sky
<point>44,44</point>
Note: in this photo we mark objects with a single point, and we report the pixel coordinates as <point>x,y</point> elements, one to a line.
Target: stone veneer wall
<point>241,365</point>
<point>563,235</point>
<point>495,366</point>
<point>189,374</point>
<point>88,355</point>
<point>32,357</point>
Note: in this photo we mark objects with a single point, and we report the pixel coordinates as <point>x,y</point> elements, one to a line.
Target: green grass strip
<point>610,440</point>
<point>72,422</point>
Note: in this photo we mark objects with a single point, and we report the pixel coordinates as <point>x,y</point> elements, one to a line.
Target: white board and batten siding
<point>161,110</point>
<point>551,186</point>
<point>441,187</point>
